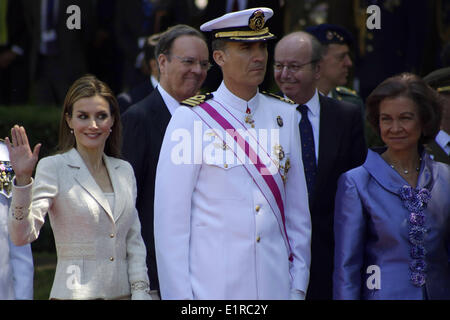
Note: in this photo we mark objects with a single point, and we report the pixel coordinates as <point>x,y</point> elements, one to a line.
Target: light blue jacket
<point>372,226</point>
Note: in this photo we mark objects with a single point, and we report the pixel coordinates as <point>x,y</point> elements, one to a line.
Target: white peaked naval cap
<point>244,26</point>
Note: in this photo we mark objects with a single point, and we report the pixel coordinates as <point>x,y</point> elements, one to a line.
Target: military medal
<point>249,118</point>
<point>280,121</point>
<point>278,150</point>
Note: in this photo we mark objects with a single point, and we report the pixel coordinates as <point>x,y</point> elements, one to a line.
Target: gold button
<point>111,235</point>
<point>258,238</point>
<point>111,259</point>
<point>257,208</point>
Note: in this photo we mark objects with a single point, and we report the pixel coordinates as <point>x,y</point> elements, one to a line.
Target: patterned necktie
<point>308,150</point>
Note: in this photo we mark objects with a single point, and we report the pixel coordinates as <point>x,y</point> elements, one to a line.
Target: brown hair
<point>86,87</point>
<point>413,87</point>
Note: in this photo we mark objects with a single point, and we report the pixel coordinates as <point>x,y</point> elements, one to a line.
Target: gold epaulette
<point>347,91</point>
<point>196,100</point>
<point>278,97</point>
<point>443,89</point>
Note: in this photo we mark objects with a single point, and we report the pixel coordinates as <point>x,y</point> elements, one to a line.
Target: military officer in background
<point>439,148</point>
<point>231,205</point>
<point>336,62</point>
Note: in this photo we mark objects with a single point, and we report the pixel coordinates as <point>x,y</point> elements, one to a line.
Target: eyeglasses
<point>292,67</point>
<point>191,62</point>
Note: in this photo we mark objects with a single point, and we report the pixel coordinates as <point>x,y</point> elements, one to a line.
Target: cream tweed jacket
<point>100,252</point>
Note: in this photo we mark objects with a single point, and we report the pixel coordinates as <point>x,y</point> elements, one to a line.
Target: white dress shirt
<point>170,101</point>
<point>154,81</point>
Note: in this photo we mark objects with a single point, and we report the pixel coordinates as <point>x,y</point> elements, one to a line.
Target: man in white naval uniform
<point>16,263</point>
<point>231,205</point>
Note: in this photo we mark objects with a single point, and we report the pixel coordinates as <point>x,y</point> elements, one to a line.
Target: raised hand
<point>22,159</point>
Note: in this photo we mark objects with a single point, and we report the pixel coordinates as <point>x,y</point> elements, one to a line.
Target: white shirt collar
<point>314,104</point>
<point>442,139</point>
<point>170,102</point>
<point>154,81</point>
<point>230,100</point>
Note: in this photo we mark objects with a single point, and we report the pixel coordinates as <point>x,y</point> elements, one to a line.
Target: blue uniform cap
<point>330,33</point>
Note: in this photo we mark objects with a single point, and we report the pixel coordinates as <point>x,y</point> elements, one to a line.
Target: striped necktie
<point>308,150</point>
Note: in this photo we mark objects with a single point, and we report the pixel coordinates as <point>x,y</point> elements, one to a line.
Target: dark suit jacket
<point>144,125</point>
<point>437,153</point>
<point>135,95</point>
<point>341,147</point>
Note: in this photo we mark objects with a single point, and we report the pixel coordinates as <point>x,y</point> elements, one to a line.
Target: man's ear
<point>317,70</point>
<point>162,60</point>
<point>219,57</point>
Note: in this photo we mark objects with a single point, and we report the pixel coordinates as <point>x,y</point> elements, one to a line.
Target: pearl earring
<point>71,131</point>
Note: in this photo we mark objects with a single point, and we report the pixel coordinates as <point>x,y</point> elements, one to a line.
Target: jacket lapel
<point>437,153</point>
<point>113,168</point>
<point>390,179</point>
<point>160,113</point>
<point>85,179</point>
<point>328,141</point>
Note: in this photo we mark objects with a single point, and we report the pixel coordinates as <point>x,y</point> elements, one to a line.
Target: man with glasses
<point>231,208</point>
<point>182,56</point>
<point>333,142</point>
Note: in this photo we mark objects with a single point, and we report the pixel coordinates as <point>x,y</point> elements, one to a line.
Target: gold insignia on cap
<point>256,21</point>
<point>329,35</point>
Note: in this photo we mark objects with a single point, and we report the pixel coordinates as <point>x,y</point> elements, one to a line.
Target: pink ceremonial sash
<point>271,186</point>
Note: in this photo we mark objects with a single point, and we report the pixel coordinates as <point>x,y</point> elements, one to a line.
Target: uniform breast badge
<point>249,118</point>
<point>280,155</point>
<point>280,121</point>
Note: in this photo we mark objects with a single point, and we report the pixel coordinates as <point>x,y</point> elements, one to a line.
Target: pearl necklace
<point>405,171</point>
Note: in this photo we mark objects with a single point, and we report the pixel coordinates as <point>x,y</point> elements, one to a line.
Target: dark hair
<point>413,87</point>
<point>218,44</point>
<point>167,38</point>
<point>86,87</point>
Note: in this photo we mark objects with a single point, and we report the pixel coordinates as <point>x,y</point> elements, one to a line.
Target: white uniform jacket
<point>100,252</point>
<point>216,236</point>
